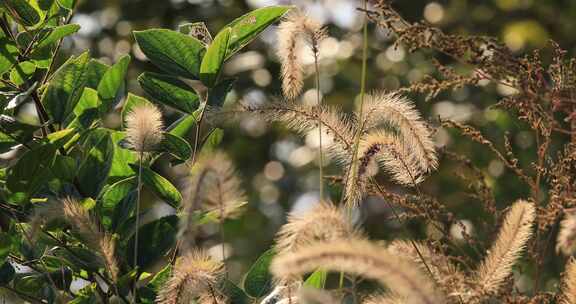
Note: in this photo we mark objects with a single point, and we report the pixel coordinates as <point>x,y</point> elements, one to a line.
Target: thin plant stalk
<point>137,224</point>
<point>319,105</point>
<point>354,162</point>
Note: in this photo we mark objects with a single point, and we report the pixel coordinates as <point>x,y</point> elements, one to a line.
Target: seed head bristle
<point>214,187</point>
<point>324,222</point>
<point>292,31</point>
<point>144,127</point>
<point>566,241</point>
<point>507,249</point>
<point>361,258</point>
<point>194,277</point>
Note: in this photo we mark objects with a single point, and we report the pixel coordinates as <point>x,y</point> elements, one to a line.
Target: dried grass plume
<point>144,127</point>
<point>215,188</point>
<point>360,258</point>
<point>569,283</point>
<point>295,29</point>
<point>511,241</point>
<point>566,241</point>
<point>324,222</point>
<point>194,277</point>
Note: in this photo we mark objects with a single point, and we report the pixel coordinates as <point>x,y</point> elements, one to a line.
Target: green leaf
<point>56,34</point>
<point>258,280</point>
<point>247,27</point>
<point>317,279</point>
<point>6,241</point>
<point>22,11</point>
<point>218,94</point>
<point>65,88</point>
<point>95,169</point>
<point>95,70</point>
<point>160,186</point>
<point>19,131</point>
<point>184,125</point>
<point>31,171</point>
<point>22,72</point>
<point>213,140</point>
<point>176,146</point>
<point>67,4</point>
<point>8,54</point>
<point>233,293</point>
<point>173,52</point>
<point>64,168</point>
<point>117,202</point>
<point>7,273</point>
<point>132,101</point>
<point>116,193</point>
<point>160,278</point>
<point>122,158</point>
<point>214,58</point>
<point>86,110</point>
<point>170,91</point>
<point>111,83</point>
<point>155,240</point>
<point>6,142</point>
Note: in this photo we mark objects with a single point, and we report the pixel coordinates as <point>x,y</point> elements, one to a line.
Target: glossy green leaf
<point>218,94</point>
<point>160,278</point>
<point>66,88</point>
<point>111,82</point>
<point>95,169</point>
<point>173,52</point>
<point>170,91</point>
<point>56,34</point>
<point>116,193</point>
<point>95,70</point>
<point>22,11</point>
<point>258,280</point>
<point>184,125</point>
<point>317,279</point>
<point>86,110</point>
<point>214,58</point>
<point>247,27</point>
<point>122,158</point>
<point>68,4</point>
<point>213,140</point>
<point>22,72</point>
<point>156,238</point>
<point>176,146</point>
<point>31,171</point>
<point>18,131</point>
<point>162,187</point>
<point>117,202</point>
<point>8,54</point>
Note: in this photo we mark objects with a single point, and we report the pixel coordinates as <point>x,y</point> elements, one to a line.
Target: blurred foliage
<point>278,168</point>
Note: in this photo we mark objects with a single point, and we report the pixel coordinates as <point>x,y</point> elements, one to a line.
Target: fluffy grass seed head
<point>194,277</point>
<point>214,187</point>
<point>361,258</point>
<point>446,275</point>
<point>512,238</point>
<point>295,29</point>
<point>566,241</point>
<point>324,222</point>
<point>144,127</point>
<point>85,225</point>
<point>398,113</point>
<point>569,283</point>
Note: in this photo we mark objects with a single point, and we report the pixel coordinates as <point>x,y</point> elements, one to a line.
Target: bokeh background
<point>279,169</point>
